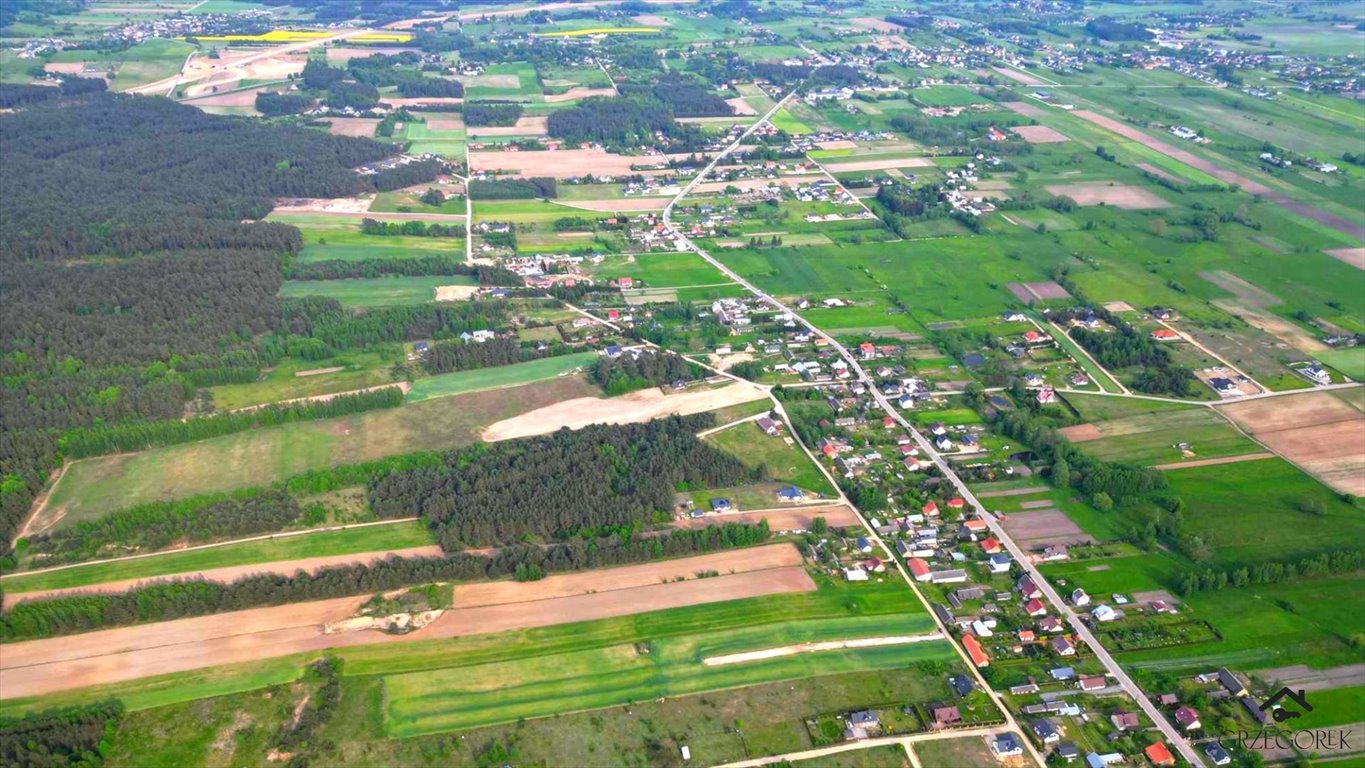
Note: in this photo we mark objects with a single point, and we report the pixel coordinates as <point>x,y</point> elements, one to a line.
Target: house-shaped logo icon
<point>1281,714</point>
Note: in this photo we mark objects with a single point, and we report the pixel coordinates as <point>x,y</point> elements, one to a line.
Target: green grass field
<point>1252,510</point>
<point>1151,438</point>
<point>360,368</point>
<point>784,462</point>
<point>328,239</point>
<point>663,270</point>
<point>375,292</point>
<point>785,121</point>
<point>144,63</point>
<point>92,487</point>
<point>498,377</point>
<point>473,696</point>
<point>325,543</point>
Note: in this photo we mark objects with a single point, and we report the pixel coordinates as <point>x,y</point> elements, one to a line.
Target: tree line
<point>344,269</point>
<point>491,113</point>
<point>1322,564</point>
<point>450,356</point>
<point>513,189</point>
<point>139,436</point>
<point>370,226</point>
<point>646,368</point>
<point>71,736</point>
<point>165,601</point>
<point>560,484</point>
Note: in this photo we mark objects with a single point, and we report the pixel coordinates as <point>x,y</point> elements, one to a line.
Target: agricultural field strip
<point>47,666</point>
<point>862,375</point>
<point>1111,665</point>
<point>816,647</point>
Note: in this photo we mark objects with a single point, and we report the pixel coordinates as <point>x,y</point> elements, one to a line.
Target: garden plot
<point>1122,196</point>
<point>1039,528</point>
<point>1047,290</point>
<point>1040,134</point>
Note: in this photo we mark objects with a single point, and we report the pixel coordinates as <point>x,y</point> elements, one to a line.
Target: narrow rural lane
<point>1021,557</point>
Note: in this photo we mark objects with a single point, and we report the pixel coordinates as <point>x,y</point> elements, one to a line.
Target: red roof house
<point>990,546</point>
<point>1159,754</point>
<point>918,568</point>
<point>975,651</point>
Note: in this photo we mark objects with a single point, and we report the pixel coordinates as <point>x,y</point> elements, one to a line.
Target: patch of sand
<point>635,407</point>
<point>779,519</point>
<point>828,645</point>
<point>455,292</point>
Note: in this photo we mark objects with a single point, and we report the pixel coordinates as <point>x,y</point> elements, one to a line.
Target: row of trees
<point>139,436</point>
<point>646,368</point>
<point>513,189</point>
<point>1322,564</point>
<point>464,356</point>
<point>593,479</point>
<point>165,601</point>
<point>158,524</point>
<point>370,226</point>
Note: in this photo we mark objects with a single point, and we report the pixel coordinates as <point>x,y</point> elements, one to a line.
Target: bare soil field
<point>879,25</point>
<point>1251,305</point>
<point>444,121</point>
<point>525,126</point>
<point>1155,171</point>
<point>562,163</point>
<point>1228,177</point>
<point>635,407</point>
<point>232,573</point>
<point>1315,430</point>
<point>240,65</point>
<point>1081,433</point>
<point>992,185</point>
<point>1017,76</point>
<point>581,92</point>
<point>1043,528</point>
<point>46,666</point>
<point>420,101</point>
<point>741,107</point>
<point>243,98</point>
<point>1045,290</point>
<point>1121,196</point>
<point>1040,134</point>
<point>1013,492</point>
<point>1353,256</point>
<point>352,126</point>
<point>837,144</point>
<point>781,519</point>
<point>1301,677</point>
<point>65,67</point>
<point>651,20</point>
<point>1024,108</point>
<point>878,165</point>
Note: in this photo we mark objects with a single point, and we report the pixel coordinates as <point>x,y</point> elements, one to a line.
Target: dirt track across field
<point>46,666</point>
<point>1319,431</point>
<point>1217,461</point>
<point>829,645</point>
<point>224,575</point>
<point>1222,174</point>
<point>635,407</point>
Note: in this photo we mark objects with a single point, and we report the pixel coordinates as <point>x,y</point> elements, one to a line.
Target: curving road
<point>1112,667</point>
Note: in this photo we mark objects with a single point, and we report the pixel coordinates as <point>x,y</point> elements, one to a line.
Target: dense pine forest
<point>133,274</point>
<point>598,478</point>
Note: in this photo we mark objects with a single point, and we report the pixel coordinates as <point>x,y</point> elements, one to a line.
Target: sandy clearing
<point>635,407</point>
<point>1227,177</point>
<point>1017,76</point>
<point>352,126</point>
<point>222,575</point>
<point>46,666</point>
<point>783,519</point>
<point>1314,430</point>
<point>1215,462</point>
<point>1353,256</point>
<point>1081,433</point>
<point>880,25</point>
<point>1024,108</point>
<point>580,92</point>
<point>445,218</point>
<point>525,126</point>
<point>1040,134</point>
<point>878,165</point>
<point>741,107</point>
<point>455,292</point>
<point>829,645</point>
<point>562,163</point>
<point>1122,196</point>
<point>359,204</point>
